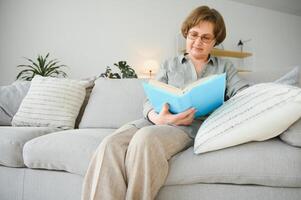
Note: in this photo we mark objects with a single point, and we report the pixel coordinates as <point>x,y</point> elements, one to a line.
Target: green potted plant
<point>108,73</point>
<point>125,70</point>
<point>41,67</point>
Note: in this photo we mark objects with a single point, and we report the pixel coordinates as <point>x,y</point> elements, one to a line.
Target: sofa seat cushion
<point>12,140</point>
<point>269,163</point>
<point>292,135</point>
<point>69,150</point>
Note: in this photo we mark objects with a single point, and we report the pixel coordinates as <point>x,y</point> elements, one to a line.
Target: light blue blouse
<point>179,72</point>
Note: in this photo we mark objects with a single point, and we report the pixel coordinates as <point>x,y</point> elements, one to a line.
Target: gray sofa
<point>49,164</point>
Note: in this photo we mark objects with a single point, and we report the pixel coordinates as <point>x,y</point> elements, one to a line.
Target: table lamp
<point>151,66</point>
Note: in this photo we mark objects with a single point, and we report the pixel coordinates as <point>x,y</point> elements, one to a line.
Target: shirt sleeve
<point>161,76</point>
<point>234,83</point>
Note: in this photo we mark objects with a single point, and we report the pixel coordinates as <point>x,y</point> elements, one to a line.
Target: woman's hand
<point>165,117</point>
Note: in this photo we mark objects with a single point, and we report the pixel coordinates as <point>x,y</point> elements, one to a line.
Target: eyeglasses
<point>206,38</point>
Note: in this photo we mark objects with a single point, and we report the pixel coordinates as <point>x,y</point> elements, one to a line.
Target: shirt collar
<point>183,59</point>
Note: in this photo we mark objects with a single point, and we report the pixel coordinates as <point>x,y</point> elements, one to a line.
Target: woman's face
<point>200,40</point>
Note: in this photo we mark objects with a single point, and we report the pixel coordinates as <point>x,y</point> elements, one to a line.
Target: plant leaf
<point>24,72</point>
<point>41,67</point>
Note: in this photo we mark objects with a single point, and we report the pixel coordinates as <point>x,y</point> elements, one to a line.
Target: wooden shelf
<point>227,53</point>
<point>241,70</point>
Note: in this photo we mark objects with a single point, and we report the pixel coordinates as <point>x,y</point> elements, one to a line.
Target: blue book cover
<point>206,95</point>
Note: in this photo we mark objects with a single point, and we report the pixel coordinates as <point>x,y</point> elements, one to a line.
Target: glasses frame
<point>199,36</point>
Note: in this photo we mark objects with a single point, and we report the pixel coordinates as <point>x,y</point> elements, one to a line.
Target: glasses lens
<point>192,35</point>
<point>207,39</point>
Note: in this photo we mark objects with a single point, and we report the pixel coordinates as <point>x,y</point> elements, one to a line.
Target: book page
<point>198,82</point>
<point>166,87</point>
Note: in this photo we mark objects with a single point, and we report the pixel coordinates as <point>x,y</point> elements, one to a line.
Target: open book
<point>205,95</point>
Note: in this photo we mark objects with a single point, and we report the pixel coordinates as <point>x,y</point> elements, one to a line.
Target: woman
<point>132,163</point>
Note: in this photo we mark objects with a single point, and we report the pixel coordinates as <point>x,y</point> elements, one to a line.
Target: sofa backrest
<point>268,74</point>
<point>11,97</point>
<point>113,102</point>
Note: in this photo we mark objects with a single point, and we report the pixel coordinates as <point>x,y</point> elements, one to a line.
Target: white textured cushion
<point>51,102</point>
<point>292,135</point>
<point>258,113</point>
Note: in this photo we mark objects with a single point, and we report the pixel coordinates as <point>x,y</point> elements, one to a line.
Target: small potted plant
<point>41,67</point>
<point>125,70</point>
<point>108,73</point>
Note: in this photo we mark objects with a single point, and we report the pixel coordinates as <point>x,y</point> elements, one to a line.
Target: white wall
<point>88,35</point>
